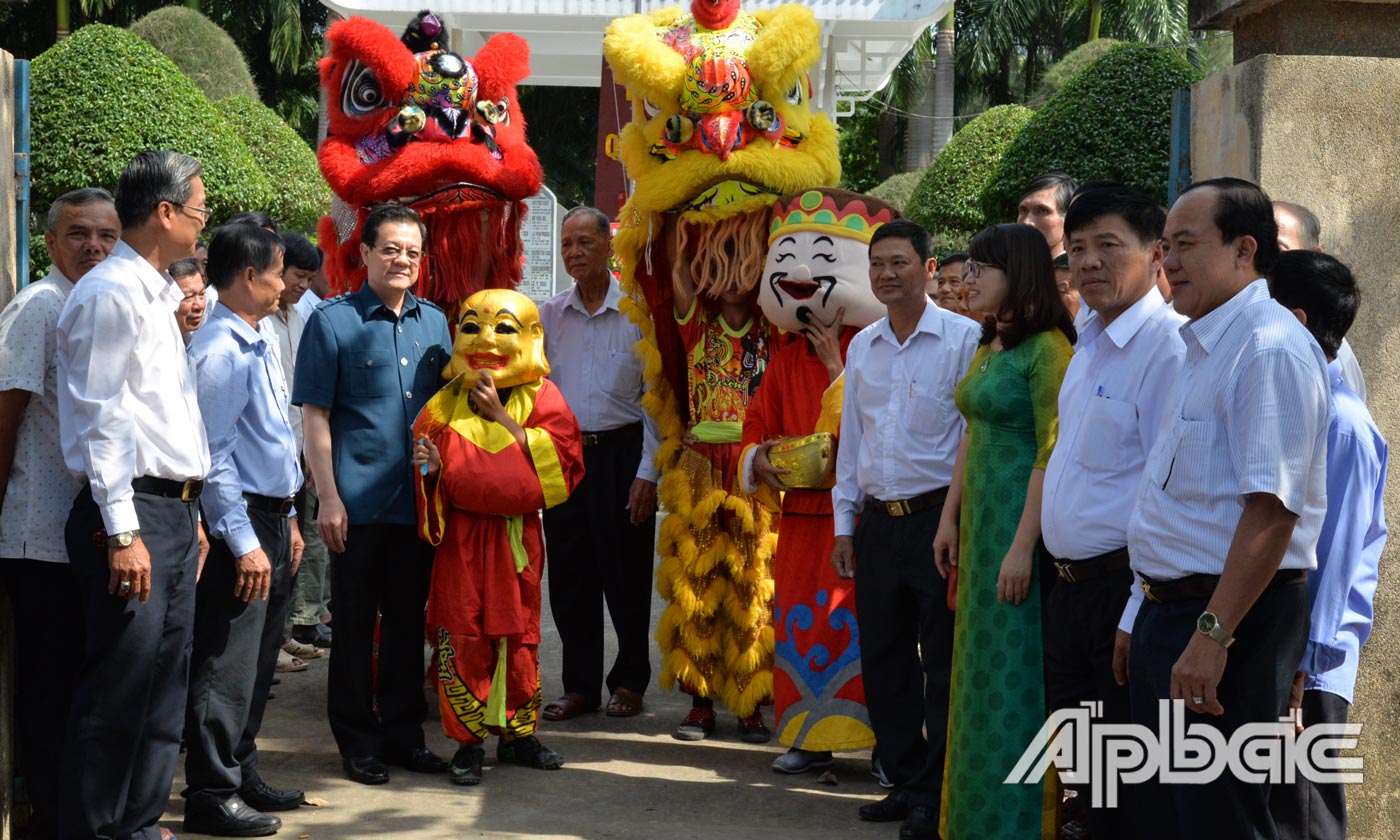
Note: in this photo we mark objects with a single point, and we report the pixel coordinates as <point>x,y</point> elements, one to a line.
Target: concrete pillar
<point>8,244</point>
<point>1321,130</point>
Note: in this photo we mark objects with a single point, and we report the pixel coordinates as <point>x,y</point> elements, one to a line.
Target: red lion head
<point>411,122</point>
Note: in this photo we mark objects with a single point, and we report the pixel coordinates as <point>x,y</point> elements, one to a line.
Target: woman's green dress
<point>1010,400</point>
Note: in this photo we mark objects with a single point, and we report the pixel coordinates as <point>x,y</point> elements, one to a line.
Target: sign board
<point>539,240</point>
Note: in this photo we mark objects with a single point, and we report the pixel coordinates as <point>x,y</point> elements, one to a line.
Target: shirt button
<point>369,363</point>
<point>404,361</point>
<point>408,394</point>
<point>400,329</point>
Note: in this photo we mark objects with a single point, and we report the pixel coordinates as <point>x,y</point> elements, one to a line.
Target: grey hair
<point>599,217</point>
<point>1308,225</point>
<point>150,178</point>
<point>74,198</point>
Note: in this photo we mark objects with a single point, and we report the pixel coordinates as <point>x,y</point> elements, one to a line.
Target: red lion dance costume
<point>413,123</point>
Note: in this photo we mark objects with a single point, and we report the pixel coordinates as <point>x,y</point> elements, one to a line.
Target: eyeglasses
<point>393,252</point>
<point>205,214</point>
<point>974,268</point>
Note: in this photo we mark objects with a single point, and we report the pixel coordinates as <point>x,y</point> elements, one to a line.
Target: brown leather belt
<point>610,435</point>
<point>904,507</point>
<point>270,504</point>
<point>185,491</point>
<point>1201,587</point>
<point>1078,571</point>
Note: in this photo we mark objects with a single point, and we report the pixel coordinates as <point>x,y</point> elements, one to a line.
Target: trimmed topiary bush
<point>300,194</point>
<point>103,95</point>
<point>1111,121</point>
<point>1058,74</point>
<point>897,189</point>
<point>203,52</point>
<point>949,196</point>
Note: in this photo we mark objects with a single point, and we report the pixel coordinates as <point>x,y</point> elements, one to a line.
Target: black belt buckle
<point>190,490</point>
<point>899,508</point>
<point>286,507</point>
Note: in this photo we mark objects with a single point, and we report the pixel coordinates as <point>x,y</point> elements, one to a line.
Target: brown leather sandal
<point>624,703</point>
<point>568,707</point>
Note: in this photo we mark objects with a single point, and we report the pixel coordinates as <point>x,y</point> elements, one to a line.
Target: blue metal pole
<point>1179,167</point>
<point>21,174</point>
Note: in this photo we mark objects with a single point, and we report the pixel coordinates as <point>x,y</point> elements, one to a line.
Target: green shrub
<point>897,189</point>
<point>1058,74</point>
<point>949,196</point>
<point>300,196</point>
<point>203,52</point>
<point>103,95</point>
<point>1111,121</point>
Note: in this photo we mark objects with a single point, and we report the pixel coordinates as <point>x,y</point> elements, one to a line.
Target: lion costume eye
<point>360,93</point>
<point>794,94</point>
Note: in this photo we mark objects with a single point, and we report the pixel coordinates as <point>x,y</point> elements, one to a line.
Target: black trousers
<point>45,679</point>
<point>123,740</point>
<point>274,633</point>
<point>596,554</point>
<point>227,663</point>
<point>1080,625</point>
<point>1254,689</point>
<point>382,576</point>
<point>906,647</point>
<point>1307,810</point>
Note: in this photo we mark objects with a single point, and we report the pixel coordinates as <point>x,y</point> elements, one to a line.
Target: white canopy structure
<point>863,40</point>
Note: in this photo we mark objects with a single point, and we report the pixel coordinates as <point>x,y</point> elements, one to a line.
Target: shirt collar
<point>1334,373</point>
<point>250,336</point>
<point>156,283</point>
<point>59,280</point>
<point>1208,329</point>
<point>369,301</point>
<point>610,300</point>
<point>930,322</point>
<point>1126,325</point>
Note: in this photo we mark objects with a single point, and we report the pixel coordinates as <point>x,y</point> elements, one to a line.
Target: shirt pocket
<point>624,376</point>
<point>931,411</point>
<point>1107,434</point>
<point>372,373</point>
<point>428,365</point>
<point>1188,473</point>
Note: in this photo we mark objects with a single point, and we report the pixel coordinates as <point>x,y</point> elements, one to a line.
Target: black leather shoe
<point>421,760</point>
<point>230,818</point>
<point>892,808</point>
<point>366,769</point>
<point>263,797</point>
<point>921,824</point>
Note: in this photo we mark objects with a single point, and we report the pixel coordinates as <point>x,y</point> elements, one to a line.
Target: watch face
<point>1206,623</point>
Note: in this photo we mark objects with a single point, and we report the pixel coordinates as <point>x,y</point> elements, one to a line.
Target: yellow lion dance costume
<point>722,126</point>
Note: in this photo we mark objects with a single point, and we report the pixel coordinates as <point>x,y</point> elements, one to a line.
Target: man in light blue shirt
<point>1322,293</point>
<point>255,543</point>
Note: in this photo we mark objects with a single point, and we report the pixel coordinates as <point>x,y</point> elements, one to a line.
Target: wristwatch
<point>124,539</point>
<point>1209,625</point>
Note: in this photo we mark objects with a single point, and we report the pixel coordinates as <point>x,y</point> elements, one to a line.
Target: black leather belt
<point>1078,571</point>
<point>610,435</point>
<point>185,491</point>
<point>271,504</point>
<point>1199,587</point>
<point>904,507</point>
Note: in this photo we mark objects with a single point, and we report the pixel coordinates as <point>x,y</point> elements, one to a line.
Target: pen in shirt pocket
<point>1100,391</point>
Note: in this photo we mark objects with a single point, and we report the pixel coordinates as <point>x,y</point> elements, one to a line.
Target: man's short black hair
<point>390,214</point>
<point>257,218</point>
<point>953,259</point>
<point>1096,199</point>
<point>1063,185</point>
<point>298,252</point>
<point>184,268</point>
<point>1061,261</point>
<point>599,218</point>
<point>1244,209</point>
<point>912,232</point>
<point>1324,288</point>
<point>1308,225</point>
<point>239,246</point>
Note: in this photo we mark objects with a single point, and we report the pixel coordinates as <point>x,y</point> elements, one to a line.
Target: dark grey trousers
<point>123,738</point>
<point>226,679</point>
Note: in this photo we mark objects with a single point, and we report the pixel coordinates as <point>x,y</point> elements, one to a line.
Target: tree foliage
<point>1111,121</point>
<point>860,155</point>
<point>897,189</point>
<point>562,127</point>
<point>299,195</point>
<point>948,197</point>
<point>203,52</point>
<point>1059,73</point>
<point>83,140</point>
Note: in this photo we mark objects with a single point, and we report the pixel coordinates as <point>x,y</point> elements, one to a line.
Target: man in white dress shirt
<point>900,432</point>
<point>602,540</point>
<point>134,431</point>
<point>1125,368</point>
<point>1230,507</point>
<point>37,492</point>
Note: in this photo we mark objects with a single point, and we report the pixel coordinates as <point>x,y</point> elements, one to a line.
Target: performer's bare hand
<point>130,566</point>
<point>843,557</point>
<point>641,500</point>
<point>253,578</point>
<point>333,523</point>
<point>1122,649</point>
<point>764,471</point>
<point>945,547</point>
<point>1196,674</point>
<point>689,438</point>
<point>826,342</point>
<point>426,452</point>
<point>298,544</point>
<point>486,398</point>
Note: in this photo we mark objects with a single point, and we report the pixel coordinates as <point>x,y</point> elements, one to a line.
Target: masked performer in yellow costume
<point>494,446</point>
<point>722,125</point>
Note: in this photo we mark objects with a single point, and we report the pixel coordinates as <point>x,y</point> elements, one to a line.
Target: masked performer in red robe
<point>494,446</point>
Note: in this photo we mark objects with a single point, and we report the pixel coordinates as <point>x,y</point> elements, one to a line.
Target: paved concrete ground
<point>623,778</point>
